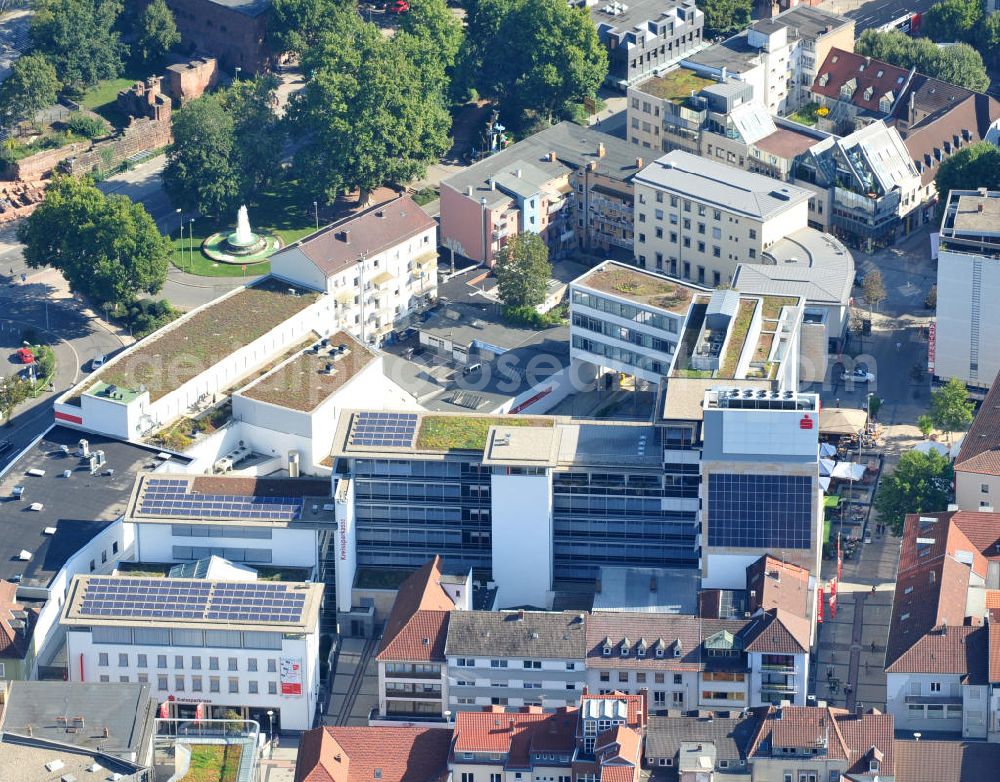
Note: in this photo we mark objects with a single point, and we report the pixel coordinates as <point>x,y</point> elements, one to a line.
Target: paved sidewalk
<point>279,765</point>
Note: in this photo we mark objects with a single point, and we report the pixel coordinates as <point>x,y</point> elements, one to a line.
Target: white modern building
<point>698,218</point>
<point>224,646</point>
<point>966,335</point>
<point>654,327</point>
<point>379,267</point>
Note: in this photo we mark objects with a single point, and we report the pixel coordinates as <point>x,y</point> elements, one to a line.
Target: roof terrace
<point>640,287</point>
<point>676,85</point>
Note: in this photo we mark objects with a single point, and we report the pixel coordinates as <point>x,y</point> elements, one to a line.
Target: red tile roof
<point>955,650</point>
<point>862,732</point>
<point>993,642</point>
<point>355,754</point>
<point>778,632</point>
<point>980,452</point>
<point>928,143</point>
<point>946,761</point>
<point>380,228</point>
<point>417,627</point>
<point>776,584</point>
<point>515,733</point>
<point>945,533</point>
<point>14,642</point>
<point>981,529</point>
<point>841,66</point>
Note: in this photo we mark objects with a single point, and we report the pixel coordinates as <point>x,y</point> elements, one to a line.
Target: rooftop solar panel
<point>377,429</point>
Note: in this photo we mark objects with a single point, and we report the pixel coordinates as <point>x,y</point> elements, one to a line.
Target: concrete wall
<point>288,547</point>
<point>900,685</point>
<point>522,539</point>
<point>955,336</point>
<point>462,223</point>
<point>661,693</point>
<point>969,494</point>
<point>471,688</point>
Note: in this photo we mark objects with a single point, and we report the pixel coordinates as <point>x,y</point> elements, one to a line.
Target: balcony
<point>790,668</point>
<point>776,687</point>
<point>412,675</point>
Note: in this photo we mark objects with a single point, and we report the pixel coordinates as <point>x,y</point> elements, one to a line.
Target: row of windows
<point>192,553</point>
<point>142,661</point>
<point>379,468</point>
<point>620,355</point>
<point>640,677</point>
<point>197,683</point>
<point>161,636</point>
<point>223,531</point>
<point>627,311</point>
<point>535,665</point>
<point>623,333</point>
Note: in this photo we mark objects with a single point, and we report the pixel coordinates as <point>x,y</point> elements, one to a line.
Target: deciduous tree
<point>31,86</point>
<point>523,271</point>
<point>959,64</point>
<point>258,133</point>
<point>432,35</point>
<point>13,391</point>
<point>951,410</point>
<point>80,37</point>
<point>367,117</point>
<point>952,20</point>
<point>107,247</point>
<point>725,17</point>
<point>157,33</point>
<point>920,483</point>
<point>874,288</point>
<point>297,25</point>
<point>974,166</point>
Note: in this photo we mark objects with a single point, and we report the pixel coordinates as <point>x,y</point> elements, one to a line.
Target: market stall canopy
<point>848,471</point>
<point>930,445</point>
<point>841,421</point>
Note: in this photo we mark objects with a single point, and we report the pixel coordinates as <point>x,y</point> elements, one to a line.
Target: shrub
<point>84,125</point>
<point>529,316</point>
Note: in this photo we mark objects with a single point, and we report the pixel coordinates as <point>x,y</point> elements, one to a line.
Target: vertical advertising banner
<point>291,675</point>
<point>819,604</point>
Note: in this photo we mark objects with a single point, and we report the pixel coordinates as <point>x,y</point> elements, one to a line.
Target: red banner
<point>819,604</point>
<point>931,346</point>
<point>833,598</point>
<point>199,712</point>
<point>840,560</point>
<point>165,710</point>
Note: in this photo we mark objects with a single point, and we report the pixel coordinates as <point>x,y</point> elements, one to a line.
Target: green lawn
<point>102,96</point>
<point>465,433</point>
<point>806,115</point>
<point>213,763</point>
<point>282,210</point>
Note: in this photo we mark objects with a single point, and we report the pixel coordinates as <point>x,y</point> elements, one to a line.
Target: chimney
<point>638,162</point>
<point>592,165</point>
<point>493,184</point>
<point>380,214</point>
<point>600,149</point>
<point>106,732</point>
<point>723,75</point>
<point>520,615</point>
<point>552,157</point>
<point>979,206</point>
<point>345,236</point>
<point>468,191</point>
<point>517,173</point>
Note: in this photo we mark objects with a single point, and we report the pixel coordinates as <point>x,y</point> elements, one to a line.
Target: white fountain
<point>243,241</point>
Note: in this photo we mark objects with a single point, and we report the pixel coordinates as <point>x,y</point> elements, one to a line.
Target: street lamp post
<point>270,719</point>
<point>191,240</point>
<point>482,206</point>
<point>316,213</point>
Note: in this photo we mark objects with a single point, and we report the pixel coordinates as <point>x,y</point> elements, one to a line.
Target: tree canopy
<point>297,25</point>
<point>725,17</point>
<point>432,36</point>
<point>951,410</point>
<point>227,145</point>
<point>31,86</point>
<point>920,483</point>
<point>157,31</point>
<point>523,271</point>
<point>974,166</point>
<point>367,116</point>
<point>107,247</point>
<point>80,38</point>
<point>874,288</point>
<point>536,57</point>
<point>952,20</point>
<point>959,64</point>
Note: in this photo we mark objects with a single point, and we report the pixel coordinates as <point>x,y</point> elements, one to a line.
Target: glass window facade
<point>645,317</point>
<point>760,511</point>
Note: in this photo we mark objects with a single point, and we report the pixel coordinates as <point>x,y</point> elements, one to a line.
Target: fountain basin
<point>219,248</point>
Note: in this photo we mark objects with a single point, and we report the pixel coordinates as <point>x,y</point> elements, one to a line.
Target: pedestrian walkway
<point>354,690</point>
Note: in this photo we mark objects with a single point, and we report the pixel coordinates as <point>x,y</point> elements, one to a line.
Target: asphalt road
<point>876,12</point>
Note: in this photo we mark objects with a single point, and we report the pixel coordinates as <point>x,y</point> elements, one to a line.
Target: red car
<point>25,356</point>
<point>399,7</point>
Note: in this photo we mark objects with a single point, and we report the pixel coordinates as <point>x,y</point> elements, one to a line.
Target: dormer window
<point>873,766</point>
<point>824,79</point>
<point>641,650</point>
<point>869,91</point>
<point>626,647</point>
<point>607,646</point>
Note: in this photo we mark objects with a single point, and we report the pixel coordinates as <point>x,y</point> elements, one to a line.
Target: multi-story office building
<point>778,57</point>
<point>965,337</point>
<point>537,500</point>
<point>379,267</point>
<point>515,658</point>
<point>653,327</point>
<point>249,647</point>
<point>646,36</point>
<point>569,184</point>
<point>701,218</point>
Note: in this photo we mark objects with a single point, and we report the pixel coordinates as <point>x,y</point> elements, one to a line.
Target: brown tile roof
<point>926,142</point>
<point>980,450</point>
<point>956,650</point>
<point>841,66</point>
<point>926,95</point>
<point>515,733</point>
<point>941,534</point>
<point>619,743</point>
<point>776,584</point>
<point>993,643</point>
<point>332,754</point>
<point>14,642</point>
<point>370,232</point>
<point>418,623</point>
<point>777,632</point>
<point>617,625</point>
<point>847,736</point>
<point>981,529</point>
<point>946,761</point>
<point>926,597</point>
<point>786,143</point>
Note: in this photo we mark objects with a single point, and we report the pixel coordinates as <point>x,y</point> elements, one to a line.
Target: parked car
<point>97,362</point>
<point>399,7</point>
<point>25,356</point>
<point>859,374</point>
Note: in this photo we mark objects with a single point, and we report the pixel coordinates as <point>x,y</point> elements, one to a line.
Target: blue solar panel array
<point>145,598</point>
<point>379,430</point>
<point>172,497</point>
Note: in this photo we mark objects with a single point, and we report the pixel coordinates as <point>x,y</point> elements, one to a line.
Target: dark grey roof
<point>126,710</point>
<point>730,735</point>
<point>245,7</point>
<point>521,634</point>
<point>574,146</point>
<point>810,22</point>
<point>78,507</point>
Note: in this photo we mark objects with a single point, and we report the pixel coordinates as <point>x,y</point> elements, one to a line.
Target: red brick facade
<point>232,31</point>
